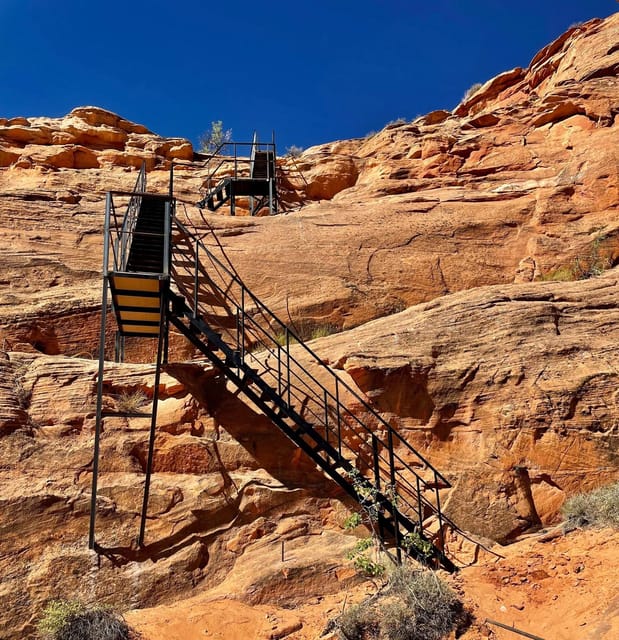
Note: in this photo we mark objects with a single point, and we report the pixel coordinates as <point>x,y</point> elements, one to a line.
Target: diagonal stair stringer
<point>397,489</point>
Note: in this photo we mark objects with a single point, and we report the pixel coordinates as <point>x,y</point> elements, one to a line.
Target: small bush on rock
<point>69,620</point>
<point>131,402</point>
<point>414,605</point>
<point>600,508</point>
<point>472,90</point>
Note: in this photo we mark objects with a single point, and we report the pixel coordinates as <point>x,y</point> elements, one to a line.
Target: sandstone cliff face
<point>224,481</point>
<point>517,182</point>
<point>507,384</point>
<point>509,390</point>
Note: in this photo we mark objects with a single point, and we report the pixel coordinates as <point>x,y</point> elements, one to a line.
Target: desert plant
<point>473,89</point>
<point>599,508</point>
<point>416,545</point>
<point>363,562</point>
<point>322,331</point>
<point>395,123</point>
<point>592,262</point>
<point>71,620</point>
<point>211,140</point>
<point>560,274</point>
<point>353,521</point>
<point>282,336</point>
<point>131,401</point>
<point>294,151</point>
<point>414,605</point>
<point>357,623</point>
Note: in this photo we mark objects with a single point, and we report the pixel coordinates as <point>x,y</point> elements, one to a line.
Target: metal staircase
<point>324,416</point>
<point>241,170</point>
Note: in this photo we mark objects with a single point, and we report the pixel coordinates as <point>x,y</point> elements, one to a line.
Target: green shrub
<point>593,262</point>
<point>600,508</point>
<point>363,563</point>
<point>416,605</point>
<point>353,521</point>
<point>561,274</point>
<point>323,331</point>
<point>413,542</point>
<point>70,620</point>
<point>212,139</point>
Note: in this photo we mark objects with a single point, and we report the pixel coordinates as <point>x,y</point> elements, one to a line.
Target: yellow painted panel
<point>138,328</point>
<point>144,316</point>
<point>135,283</point>
<point>137,301</point>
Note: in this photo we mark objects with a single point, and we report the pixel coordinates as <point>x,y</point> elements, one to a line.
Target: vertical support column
<point>273,178</point>
<point>288,364</point>
<point>339,416</point>
<point>392,480</point>
<point>326,408</point>
<point>196,282</point>
<point>153,426</point>
<point>279,370</point>
<point>441,535</point>
<point>95,460</point>
<point>377,477</point>
<point>419,504</point>
<point>241,346</point>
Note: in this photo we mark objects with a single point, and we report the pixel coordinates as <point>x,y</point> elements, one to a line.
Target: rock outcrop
<point>87,138</point>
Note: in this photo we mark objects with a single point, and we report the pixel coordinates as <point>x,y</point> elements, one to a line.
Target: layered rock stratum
<point>437,249</point>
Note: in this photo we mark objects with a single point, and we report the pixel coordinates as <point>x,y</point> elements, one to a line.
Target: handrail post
<point>419,508</point>
<point>101,371</point>
<point>288,363</point>
<point>167,234</point>
<point>153,429</point>
<point>339,416</point>
<point>326,408</point>
<point>375,460</point>
<point>279,370</point>
<point>241,337</point>
<point>441,535</point>
<point>195,281</point>
<point>392,480</point>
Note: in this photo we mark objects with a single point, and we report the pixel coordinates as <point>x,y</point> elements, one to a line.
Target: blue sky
<point>312,71</point>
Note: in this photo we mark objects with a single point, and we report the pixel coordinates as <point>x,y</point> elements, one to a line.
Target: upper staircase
<point>233,175</point>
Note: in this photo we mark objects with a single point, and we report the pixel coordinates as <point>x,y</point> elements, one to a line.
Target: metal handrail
<point>123,236</point>
<point>301,386</point>
<point>211,182</point>
<point>266,311</point>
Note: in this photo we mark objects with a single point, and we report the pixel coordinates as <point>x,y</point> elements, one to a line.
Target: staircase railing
<point>358,437</point>
<point>227,153</point>
<point>119,233</point>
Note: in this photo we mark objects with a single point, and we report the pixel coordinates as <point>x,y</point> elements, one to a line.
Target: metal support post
<point>98,420</point>
<point>392,480</point>
<point>153,425</point>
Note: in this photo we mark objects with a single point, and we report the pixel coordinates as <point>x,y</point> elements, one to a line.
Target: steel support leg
<point>153,421</point>
<point>95,460</point>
